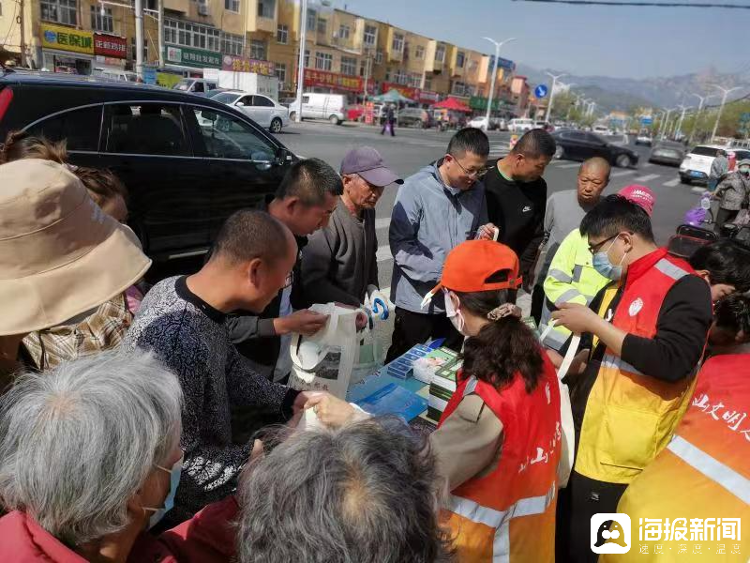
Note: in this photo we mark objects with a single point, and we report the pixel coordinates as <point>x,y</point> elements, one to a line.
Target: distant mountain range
<point>664,92</point>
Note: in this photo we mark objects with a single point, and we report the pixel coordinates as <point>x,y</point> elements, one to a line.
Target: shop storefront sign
<point>428,97</point>
<point>110,46</point>
<point>322,79</point>
<point>407,91</point>
<point>198,58</point>
<point>67,39</point>
<point>241,64</point>
<point>480,103</point>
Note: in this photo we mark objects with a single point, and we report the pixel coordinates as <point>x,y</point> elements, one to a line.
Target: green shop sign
<point>479,103</point>
<point>185,56</point>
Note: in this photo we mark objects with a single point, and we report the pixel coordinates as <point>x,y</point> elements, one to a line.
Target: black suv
<point>188,162</point>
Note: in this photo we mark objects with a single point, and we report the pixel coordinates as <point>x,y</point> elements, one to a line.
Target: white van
<point>196,85</point>
<point>321,106</point>
<point>115,74</point>
<point>520,125</point>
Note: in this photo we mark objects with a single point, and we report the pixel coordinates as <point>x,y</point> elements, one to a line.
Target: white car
<point>643,139</point>
<point>520,125</point>
<point>601,130</point>
<point>696,165</point>
<point>479,123</point>
<point>261,109</point>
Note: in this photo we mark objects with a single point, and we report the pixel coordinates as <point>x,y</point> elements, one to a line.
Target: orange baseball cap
<point>471,265</point>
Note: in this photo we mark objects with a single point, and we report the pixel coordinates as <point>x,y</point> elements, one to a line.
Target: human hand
<point>578,365</point>
<point>300,401</point>
<point>305,322</point>
<point>331,411</point>
<point>361,321</point>
<point>576,318</point>
<point>486,232</point>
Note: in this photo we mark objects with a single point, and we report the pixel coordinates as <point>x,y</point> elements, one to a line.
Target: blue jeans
<point>712,182</point>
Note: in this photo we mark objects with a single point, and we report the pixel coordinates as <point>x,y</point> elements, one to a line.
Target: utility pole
<point>664,127</point>
<point>494,75</point>
<point>697,115</point>
<point>301,63</point>
<point>552,93</point>
<point>23,33</point>
<point>726,93</point>
<point>682,118</point>
<point>160,31</point>
<point>139,39</point>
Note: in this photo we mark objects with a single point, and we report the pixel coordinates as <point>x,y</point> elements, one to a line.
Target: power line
<point>641,4</point>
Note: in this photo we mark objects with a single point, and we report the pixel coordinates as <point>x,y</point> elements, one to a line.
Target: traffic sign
<point>541,91</point>
<point>647,120</point>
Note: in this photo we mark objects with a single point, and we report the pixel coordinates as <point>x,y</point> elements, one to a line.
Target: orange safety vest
<point>509,514</point>
<point>629,416</point>
<point>700,484</point>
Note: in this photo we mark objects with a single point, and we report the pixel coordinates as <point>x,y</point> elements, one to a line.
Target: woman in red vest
<point>498,442</point>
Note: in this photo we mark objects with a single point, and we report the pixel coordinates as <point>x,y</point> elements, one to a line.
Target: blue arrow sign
<point>647,120</point>
<point>541,91</point>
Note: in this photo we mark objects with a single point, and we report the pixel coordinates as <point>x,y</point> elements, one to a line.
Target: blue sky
<point>634,42</point>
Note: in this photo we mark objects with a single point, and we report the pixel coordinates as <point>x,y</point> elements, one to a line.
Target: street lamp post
<point>697,115</point>
<point>682,118</point>
<point>552,93</point>
<point>665,125</point>
<point>301,62</point>
<point>726,93</point>
<point>139,11</point>
<point>494,74</point>
<point>139,38</point>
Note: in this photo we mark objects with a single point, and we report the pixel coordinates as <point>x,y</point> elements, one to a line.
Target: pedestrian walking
<point>733,194</point>
<point>436,209</point>
<point>390,121</point>
<point>719,168</point>
<point>340,261</point>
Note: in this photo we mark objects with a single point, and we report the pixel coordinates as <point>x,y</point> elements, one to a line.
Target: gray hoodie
<point>429,220</point>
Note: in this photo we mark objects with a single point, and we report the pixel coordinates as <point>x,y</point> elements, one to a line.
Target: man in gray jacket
<point>339,262</point>
<point>436,209</point>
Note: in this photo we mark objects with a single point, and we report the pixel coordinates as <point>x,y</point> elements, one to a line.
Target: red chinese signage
<point>110,46</point>
<point>322,79</point>
<point>408,91</point>
<point>241,64</point>
<point>428,97</point>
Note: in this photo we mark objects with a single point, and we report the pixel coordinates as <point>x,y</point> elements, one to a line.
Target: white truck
<point>249,82</point>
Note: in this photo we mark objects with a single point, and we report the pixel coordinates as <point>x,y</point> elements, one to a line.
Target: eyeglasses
<point>470,173</point>
<point>594,248</point>
<point>289,280</point>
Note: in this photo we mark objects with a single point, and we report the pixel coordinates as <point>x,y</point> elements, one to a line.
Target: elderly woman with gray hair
<point>89,458</point>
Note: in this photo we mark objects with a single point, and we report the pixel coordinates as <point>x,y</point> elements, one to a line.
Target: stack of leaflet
<point>425,368</point>
<point>443,385</point>
<point>402,366</point>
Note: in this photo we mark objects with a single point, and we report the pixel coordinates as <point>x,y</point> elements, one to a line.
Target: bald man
<point>565,210</point>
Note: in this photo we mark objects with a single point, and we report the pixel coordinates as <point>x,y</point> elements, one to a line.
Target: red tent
<point>453,104</point>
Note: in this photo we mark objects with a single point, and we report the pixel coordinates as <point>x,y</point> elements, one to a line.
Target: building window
<point>307,58</point>
<point>232,44</point>
<point>322,25</point>
<point>379,57</point>
<point>473,66</point>
<point>428,82</point>
<point>232,5</point>
<point>398,42</point>
<point>281,72</point>
<point>133,51</point>
<point>461,89</point>
<point>323,61</point>
<point>104,23</point>
<point>349,65</point>
<point>312,18</point>
<point>371,35</point>
<point>440,53</point>
<point>400,77</point>
<point>60,11</point>
<point>415,80</point>
<point>258,49</point>
<point>266,8</point>
<point>344,31</point>
<point>192,35</point>
<point>282,34</point>
<point>419,52</point>
<point>460,59</point>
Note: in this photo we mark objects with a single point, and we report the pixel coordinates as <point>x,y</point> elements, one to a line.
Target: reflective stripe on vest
<point>712,468</point>
<point>500,519</point>
<point>619,364</point>
<point>560,276</point>
<point>471,385</point>
<point>567,296</point>
<point>669,269</point>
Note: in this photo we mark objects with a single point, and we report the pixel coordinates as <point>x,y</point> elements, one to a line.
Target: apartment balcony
<point>182,6</point>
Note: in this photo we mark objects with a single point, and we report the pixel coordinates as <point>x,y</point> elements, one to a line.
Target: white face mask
<point>454,314</point>
<point>174,480</point>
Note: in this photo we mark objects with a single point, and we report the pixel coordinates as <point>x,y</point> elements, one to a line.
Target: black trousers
<point>724,216</point>
<point>391,126</point>
<point>576,504</point>
<point>416,328</point>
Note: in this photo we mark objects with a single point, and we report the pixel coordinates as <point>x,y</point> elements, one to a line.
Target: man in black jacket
<point>517,197</point>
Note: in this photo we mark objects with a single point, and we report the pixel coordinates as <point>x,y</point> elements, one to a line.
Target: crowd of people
<point>155,423</point>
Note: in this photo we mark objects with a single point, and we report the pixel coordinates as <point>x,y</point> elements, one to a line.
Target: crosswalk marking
<point>672,183</point>
<point>384,253</point>
<point>647,177</point>
<point>621,173</point>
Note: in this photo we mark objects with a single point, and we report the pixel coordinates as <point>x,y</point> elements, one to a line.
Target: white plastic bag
<point>567,455</point>
<point>325,361</point>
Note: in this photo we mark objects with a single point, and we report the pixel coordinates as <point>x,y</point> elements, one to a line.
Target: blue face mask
<point>174,480</point>
<point>604,265</point>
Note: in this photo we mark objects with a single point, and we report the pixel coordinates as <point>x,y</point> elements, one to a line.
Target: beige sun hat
<point>60,254</point>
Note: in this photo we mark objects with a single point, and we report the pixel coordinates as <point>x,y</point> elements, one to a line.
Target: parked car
<point>544,125</point>
<point>602,130</point>
<point>262,109</point>
<point>520,125</point>
<point>321,106</point>
<point>580,145</point>
<point>189,162</point>
<point>111,74</point>
<point>414,117</point>
<point>502,124</point>
<point>355,112</point>
<point>480,122</point>
<point>643,139</point>
<point>696,166</point>
<point>198,86</point>
<point>667,152</point>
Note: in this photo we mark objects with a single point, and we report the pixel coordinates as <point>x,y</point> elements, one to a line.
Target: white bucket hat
<point>60,254</point>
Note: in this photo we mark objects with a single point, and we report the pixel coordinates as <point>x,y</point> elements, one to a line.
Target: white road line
<point>384,253</point>
<point>671,183</point>
<point>647,177</point>
<point>382,223</point>
<point>621,173</point>
<point>570,165</point>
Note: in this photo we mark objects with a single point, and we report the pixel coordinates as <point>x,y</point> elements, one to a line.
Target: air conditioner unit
<point>202,8</point>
